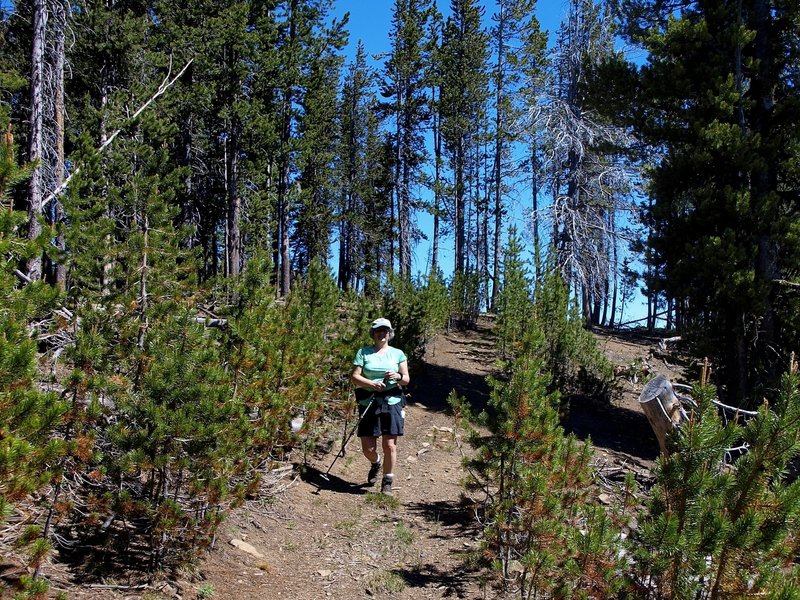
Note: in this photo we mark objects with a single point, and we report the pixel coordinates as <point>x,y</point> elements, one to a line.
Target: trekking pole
<point>341,452</point>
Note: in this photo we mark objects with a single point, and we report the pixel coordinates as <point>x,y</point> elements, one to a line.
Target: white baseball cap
<point>378,323</point>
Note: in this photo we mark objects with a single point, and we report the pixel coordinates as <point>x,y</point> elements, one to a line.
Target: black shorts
<point>381,419</point>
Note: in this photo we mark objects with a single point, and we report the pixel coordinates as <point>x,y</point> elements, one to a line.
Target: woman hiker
<point>380,370</point>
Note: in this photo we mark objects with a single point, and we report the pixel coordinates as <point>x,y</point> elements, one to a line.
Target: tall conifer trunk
<point>59,18</point>
<point>282,238</point>
<point>764,178</point>
<point>537,244</point>
<point>460,194</point>
<point>437,179</point>
<point>234,205</point>
<point>36,148</point>
<point>498,156</point>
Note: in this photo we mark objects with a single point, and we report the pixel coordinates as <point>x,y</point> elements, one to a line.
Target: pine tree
<point>532,62</point>
<point>404,83</point>
<point>515,25</point>
<point>142,362</point>
<point>213,112</point>
<point>464,84</point>
<point>543,536</point>
<point>300,41</point>
<point>353,119</point>
<point>515,300</point>
<point>574,361</point>
<point>434,82</point>
<point>716,530</point>
<point>718,98</point>
<point>30,447</point>
<point>281,368</point>
<point>317,152</point>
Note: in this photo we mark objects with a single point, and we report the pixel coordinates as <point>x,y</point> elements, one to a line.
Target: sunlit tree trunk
<point>36,147</point>
<point>59,22</point>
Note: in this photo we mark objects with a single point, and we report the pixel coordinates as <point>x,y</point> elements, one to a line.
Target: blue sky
<point>370,22</point>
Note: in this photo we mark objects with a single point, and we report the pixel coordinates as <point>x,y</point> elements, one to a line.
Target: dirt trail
<point>323,539</point>
<point>335,540</point>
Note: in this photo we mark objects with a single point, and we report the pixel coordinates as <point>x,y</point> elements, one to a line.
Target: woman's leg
<point>369,446</point>
<point>389,443</point>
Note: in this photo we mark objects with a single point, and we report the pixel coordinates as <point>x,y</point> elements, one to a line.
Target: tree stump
<point>663,409</point>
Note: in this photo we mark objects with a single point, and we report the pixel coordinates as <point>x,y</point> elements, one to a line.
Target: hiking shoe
<point>386,486</point>
<point>374,469</point>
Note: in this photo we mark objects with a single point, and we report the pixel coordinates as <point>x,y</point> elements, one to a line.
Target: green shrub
<point>573,358</point>
<point>31,421</point>
<point>465,299</point>
<point>515,302</point>
<point>544,536</point>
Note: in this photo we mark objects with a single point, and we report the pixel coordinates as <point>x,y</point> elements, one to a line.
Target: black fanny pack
<point>364,396</point>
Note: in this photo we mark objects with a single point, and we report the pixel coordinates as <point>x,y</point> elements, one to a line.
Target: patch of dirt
<point>620,431</point>
<point>335,538</point>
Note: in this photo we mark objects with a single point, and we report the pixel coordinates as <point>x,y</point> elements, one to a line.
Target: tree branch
<point>165,85</point>
<point>793,284</point>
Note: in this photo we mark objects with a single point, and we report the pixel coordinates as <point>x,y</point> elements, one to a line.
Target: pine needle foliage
<point>466,300</point>
<point>29,417</point>
<point>725,531</point>
<point>574,360</point>
<point>543,535</point>
<point>177,443</point>
<point>515,300</point>
<point>11,172</point>
<point>417,309</point>
<point>286,358</point>
<point>161,447</point>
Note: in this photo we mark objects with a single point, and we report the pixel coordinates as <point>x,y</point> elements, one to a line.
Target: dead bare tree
<point>57,63</point>
<point>46,143</point>
<point>36,146</point>
<point>589,183</point>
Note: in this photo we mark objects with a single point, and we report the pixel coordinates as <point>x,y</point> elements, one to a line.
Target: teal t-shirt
<point>374,365</point>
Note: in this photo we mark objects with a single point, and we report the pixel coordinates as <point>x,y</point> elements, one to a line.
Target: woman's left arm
<point>402,371</point>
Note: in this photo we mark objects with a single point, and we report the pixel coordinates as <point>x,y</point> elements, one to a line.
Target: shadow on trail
<point>449,515</point>
<point>433,384</point>
<point>427,575</point>
<point>611,427</point>
<point>331,482</point>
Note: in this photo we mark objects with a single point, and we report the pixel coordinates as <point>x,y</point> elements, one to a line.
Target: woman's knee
<point>369,444</point>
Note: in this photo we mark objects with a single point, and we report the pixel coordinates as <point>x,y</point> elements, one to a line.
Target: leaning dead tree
<point>168,81</point>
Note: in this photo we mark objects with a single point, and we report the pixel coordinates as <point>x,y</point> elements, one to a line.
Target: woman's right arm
<point>359,380</point>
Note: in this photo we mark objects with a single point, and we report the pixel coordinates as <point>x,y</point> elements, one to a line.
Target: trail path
<point>324,539</point>
<point>334,540</point>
